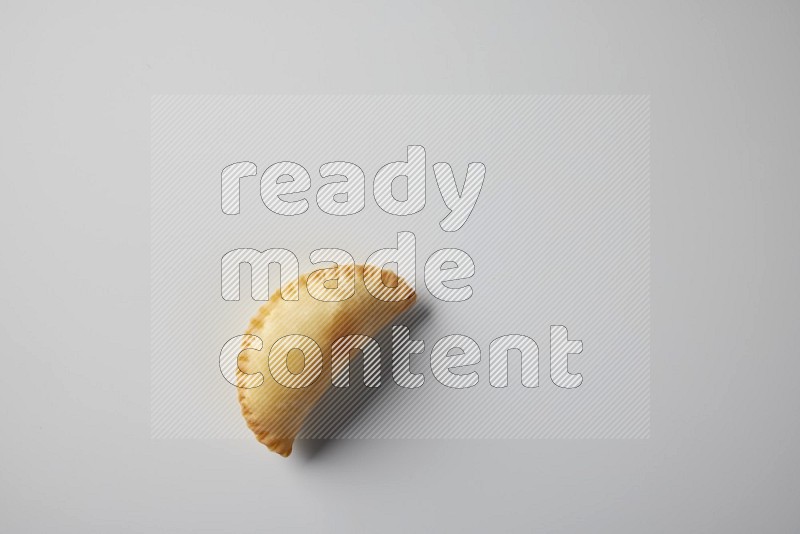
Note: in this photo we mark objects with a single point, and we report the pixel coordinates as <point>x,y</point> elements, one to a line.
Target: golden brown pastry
<point>275,410</point>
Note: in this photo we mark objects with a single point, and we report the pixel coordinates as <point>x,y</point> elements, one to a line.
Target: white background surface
<point>76,82</point>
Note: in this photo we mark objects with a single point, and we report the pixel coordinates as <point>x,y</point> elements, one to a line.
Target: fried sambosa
<point>298,336</point>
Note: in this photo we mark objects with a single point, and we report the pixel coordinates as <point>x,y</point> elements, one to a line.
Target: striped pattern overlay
<point>522,222</point>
